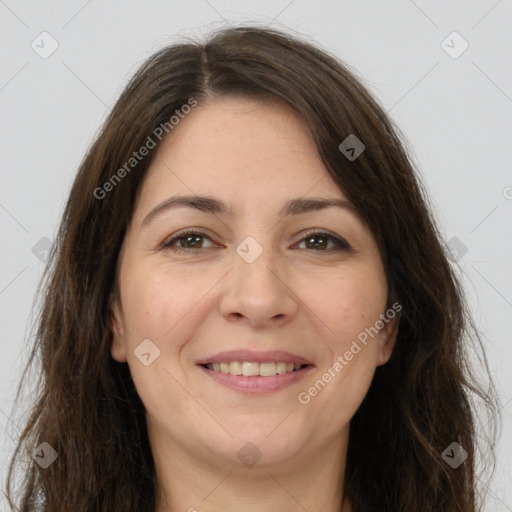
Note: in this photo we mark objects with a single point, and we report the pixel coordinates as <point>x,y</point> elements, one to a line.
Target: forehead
<point>251,154</point>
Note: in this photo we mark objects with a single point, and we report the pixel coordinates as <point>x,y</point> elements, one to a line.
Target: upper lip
<point>257,357</point>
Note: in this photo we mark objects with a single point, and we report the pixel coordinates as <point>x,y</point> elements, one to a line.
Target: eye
<point>315,240</point>
<point>188,240</point>
<point>324,237</point>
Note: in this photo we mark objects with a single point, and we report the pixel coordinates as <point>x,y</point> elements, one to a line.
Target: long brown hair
<point>418,404</point>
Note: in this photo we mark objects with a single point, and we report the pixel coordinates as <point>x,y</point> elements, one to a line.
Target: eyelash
<point>341,244</point>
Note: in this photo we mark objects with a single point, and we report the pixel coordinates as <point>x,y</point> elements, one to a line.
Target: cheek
<point>157,302</point>
<point>346,304</point>
<point>156,305</point>
<point>345,375</point>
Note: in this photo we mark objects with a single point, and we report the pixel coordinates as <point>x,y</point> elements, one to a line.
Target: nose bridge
<point>257,290</point>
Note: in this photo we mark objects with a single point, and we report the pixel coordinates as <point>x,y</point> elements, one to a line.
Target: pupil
<point>316,245</point>
<point>189,238</point>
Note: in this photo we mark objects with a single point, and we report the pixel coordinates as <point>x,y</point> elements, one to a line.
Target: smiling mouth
<point>254,369</point>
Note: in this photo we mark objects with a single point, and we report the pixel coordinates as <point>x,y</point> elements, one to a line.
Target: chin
<point>255,447</point>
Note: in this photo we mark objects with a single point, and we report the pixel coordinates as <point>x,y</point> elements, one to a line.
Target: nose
<point>259,293</point>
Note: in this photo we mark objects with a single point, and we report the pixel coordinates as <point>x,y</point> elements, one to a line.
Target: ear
<point>115,321</point>
<point>387,339</point>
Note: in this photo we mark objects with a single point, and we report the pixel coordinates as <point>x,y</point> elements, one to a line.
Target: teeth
<point>249,368</point>
<point>280,368</point>
<point>267,369</point>
<point>235,368</point>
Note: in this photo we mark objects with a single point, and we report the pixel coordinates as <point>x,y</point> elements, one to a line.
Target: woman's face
<point>257,278</point>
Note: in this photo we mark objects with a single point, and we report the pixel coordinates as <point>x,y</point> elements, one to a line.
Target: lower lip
<point>257,384</point>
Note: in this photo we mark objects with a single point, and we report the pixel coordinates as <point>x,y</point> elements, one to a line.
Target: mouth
<point>254,369</point>
<point>256,372</point>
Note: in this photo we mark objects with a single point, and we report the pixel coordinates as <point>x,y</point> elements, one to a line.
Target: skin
<point>295,297</point>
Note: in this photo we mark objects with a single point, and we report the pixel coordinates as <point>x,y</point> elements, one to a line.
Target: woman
<point>249,304</point>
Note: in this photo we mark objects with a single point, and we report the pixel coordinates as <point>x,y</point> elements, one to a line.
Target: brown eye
<point>319,242</point>
<point>188,240</point>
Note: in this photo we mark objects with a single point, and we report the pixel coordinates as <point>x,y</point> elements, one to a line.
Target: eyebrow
<point>209,204</point>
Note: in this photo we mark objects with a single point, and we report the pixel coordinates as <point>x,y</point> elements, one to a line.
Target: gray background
<point>455,112</point>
